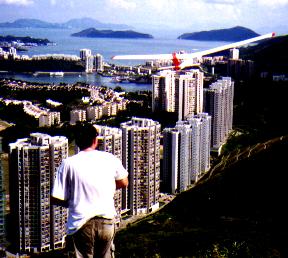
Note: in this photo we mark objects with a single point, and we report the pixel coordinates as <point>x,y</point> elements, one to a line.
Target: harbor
<point>75,77</point>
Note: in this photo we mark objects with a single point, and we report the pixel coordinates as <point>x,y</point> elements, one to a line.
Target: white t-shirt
<point>87,181</point>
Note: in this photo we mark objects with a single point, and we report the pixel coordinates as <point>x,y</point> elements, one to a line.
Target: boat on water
<point>116,79</point>
<point>57,74</point>
<point>120,79</point>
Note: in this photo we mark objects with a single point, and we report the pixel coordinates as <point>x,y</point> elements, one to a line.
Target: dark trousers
<point>93,240</point>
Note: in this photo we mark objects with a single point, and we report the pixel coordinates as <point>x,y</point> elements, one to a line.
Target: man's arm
<point>56,201</point>
<point>121,183</point>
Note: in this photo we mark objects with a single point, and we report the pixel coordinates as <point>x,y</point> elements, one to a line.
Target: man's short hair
<point>84,135</point>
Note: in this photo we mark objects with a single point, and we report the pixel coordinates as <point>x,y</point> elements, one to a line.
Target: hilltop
<point>93,33</point>
<point>232,34</point>
<point>236,210</point>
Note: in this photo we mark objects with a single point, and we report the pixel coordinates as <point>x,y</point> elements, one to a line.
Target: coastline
<point>73,78</point>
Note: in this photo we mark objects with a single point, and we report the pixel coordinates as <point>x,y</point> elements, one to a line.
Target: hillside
<point>270,55</point>
<point>233,34</point>
<point>73,23</point>
<point>237,210</point>
<point>93,33</point>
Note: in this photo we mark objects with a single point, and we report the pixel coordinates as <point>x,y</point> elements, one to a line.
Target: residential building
<point>89,64</point>
<point>49,119</point>
<point>180,92</point>
<point>163,91</point>
<point>37,226</point>
<point>98,63</point>
<point>141,157</point>
<point>77,115</point>
<point>94,112</point>
<point>186,152</point>
<point>218,103</point>
<point>84,53</point>
<point>234,53</point>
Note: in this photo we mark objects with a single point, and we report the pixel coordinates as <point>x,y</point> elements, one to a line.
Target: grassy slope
<point>238,210</point>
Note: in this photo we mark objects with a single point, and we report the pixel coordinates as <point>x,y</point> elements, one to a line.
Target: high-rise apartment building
<point>94,112</point>
<point>186,152</point>
<point>218,102</point>
<point>84,53</point>
<point>180,92</point>
<point>141,157</point>
<point>234,53</point>
<point>163,91</point>
<point>49,119</point>
<point>190,93</point>
<point>77,115</point>
<point>98,63</point>
<point>37,226</point>
<point>89,64</point>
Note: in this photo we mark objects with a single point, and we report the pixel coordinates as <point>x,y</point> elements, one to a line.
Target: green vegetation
<point>237,210</point>
<point>49,65</point>
<point>10,38</point>
<point>259,113</point>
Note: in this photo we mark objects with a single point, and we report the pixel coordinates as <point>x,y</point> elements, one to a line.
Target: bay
<point>66,44</point>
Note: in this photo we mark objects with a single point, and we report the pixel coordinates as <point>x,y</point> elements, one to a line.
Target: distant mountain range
<point>74,23</point>
<point>93,33</point>
<point>233,34</point>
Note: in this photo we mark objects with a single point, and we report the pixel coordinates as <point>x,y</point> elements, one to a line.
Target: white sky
<point>183,15</point>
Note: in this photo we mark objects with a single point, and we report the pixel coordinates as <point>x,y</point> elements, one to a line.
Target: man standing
<point>86,183</point>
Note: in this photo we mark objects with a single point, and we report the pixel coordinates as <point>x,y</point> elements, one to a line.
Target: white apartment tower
<point>38,226</point>
<point>77,115</point>
<point>89,64</point>
<point>180,92</point>
<point>218,102</point>
<point>94,112</point>
<point>234,54</point>
<point>163,92</point>
<point>186,152</point>
<point>98,63</point>
<point>84,53</point>
<point>190,96</point>
<point>49,119</point>
<point>141,157</point>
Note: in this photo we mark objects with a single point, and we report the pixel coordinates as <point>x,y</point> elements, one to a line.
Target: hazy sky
<point>186,15</point>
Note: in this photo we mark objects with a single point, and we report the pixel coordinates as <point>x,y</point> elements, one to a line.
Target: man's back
<point>86,183</point>
<point>91,178</point>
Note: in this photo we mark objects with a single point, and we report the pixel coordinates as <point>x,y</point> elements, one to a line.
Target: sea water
<point>108,47</point>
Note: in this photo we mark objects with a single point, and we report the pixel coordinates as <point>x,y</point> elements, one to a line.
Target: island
<point>24,40</point>
<point>237,33</point>
<point>22,43</point>
<point>93,33</point>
